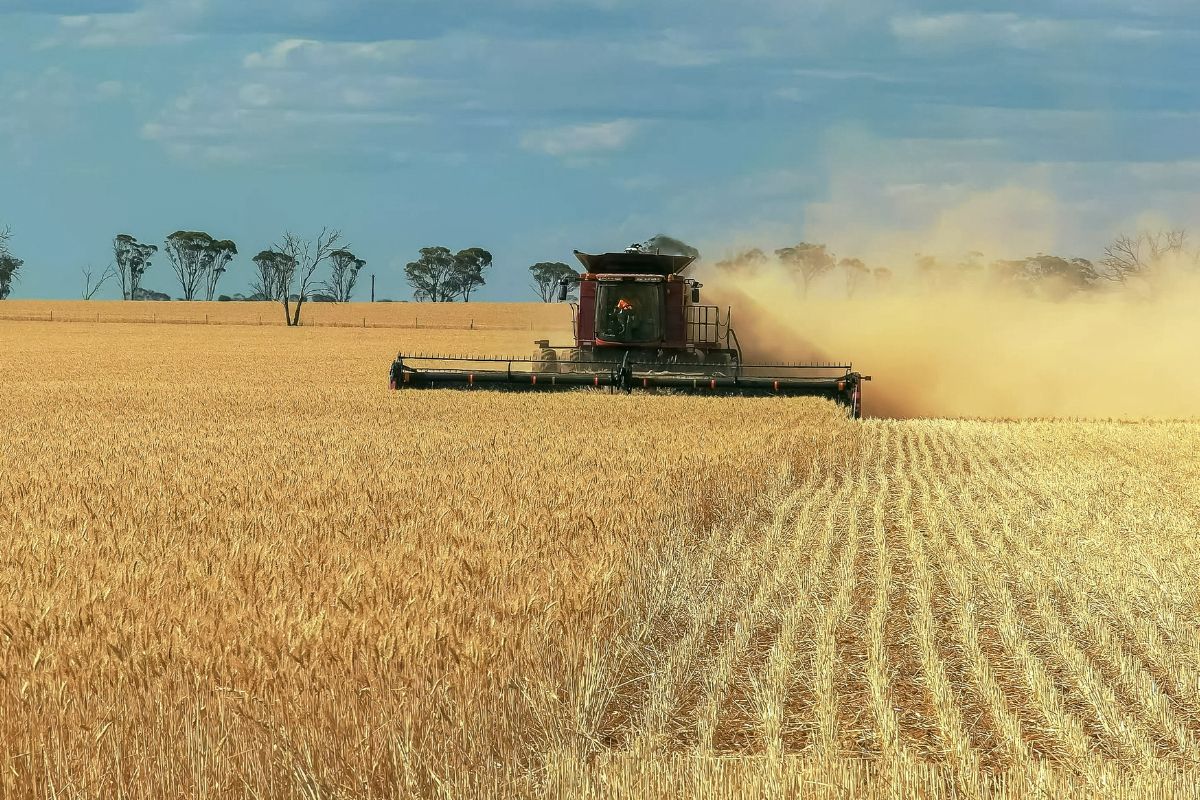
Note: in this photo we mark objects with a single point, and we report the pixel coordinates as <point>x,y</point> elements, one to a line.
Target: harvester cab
<point>641,303</point>
<point>638,323</point>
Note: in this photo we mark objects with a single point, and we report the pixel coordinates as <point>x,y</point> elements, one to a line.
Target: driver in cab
<point>624,318</point>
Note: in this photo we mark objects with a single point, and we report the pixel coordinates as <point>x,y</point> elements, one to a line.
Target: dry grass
<point>235,565</point>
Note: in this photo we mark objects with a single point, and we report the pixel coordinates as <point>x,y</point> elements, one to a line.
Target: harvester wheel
<point>580,361</point>
<point>568,365</point>
<point>547,360</point>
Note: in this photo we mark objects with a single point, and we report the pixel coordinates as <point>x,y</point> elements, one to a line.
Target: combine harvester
<point>638,324</point>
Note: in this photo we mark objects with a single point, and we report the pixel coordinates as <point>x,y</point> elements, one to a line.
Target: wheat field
<point>441,316</point>
<point>235,565</point>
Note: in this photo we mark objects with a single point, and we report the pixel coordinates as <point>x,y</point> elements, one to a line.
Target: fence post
<point>52,315</point>
<point>472,324</point>
<point>364,322</point>
<point>206,319</point>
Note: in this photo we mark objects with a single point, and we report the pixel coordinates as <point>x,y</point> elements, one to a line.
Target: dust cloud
<point>980,351</point>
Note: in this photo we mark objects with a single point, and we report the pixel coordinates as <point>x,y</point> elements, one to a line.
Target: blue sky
<point>532,127</point>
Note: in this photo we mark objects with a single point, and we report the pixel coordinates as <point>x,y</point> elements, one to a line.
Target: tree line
<point>1128,258</point>
<point>291,271</point>
<point>287,272</point>
<point>296,269</point>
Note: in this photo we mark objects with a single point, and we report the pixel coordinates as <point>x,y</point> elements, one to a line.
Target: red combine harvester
<point>638,324</point>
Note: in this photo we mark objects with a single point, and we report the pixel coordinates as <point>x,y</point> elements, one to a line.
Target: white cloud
<point>296,99</point>
<point>41,106</point>
<point>150,25</point>
<point>844,74</point>
<point>109,90</point>
<point>276,56</point>
<point>641,183</point>
<point>256,95</point>
<point>582,140</point>
<point>264,125</point>
<point>1146,7</point>
<point>679,48</point>
<point>966,29</point>
<point>1164,172</point>
<point>309,54</point>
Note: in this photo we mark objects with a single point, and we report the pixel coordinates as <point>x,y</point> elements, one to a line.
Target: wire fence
<point>265,320</point>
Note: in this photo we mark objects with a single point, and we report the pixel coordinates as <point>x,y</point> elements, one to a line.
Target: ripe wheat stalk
<point>234,564</point>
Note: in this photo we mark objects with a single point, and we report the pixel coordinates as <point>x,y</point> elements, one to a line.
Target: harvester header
<point>638,324</point>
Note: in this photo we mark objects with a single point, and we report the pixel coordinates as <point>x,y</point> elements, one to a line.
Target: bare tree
<point>297,278</point>
<point>344,275</point>
<point>1137,256</point>
<point>91,285</point>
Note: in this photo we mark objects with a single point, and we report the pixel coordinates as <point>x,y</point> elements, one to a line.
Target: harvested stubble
<point>235,565</point>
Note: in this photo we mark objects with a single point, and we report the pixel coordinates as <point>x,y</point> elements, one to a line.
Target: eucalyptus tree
<point>344,275</point>
<point>10,265</point>
<point>199,261</point>
<point>132,259</point>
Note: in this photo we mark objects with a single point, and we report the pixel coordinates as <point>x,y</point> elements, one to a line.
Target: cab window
<point>629,312</point>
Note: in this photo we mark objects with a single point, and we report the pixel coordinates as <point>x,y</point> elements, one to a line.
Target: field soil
<point>234,564</point>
